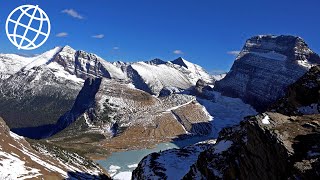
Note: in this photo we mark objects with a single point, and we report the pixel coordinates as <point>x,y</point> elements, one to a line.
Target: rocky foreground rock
<point>268,146</point>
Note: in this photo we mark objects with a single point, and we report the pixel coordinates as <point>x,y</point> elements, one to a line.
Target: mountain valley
<point>261,116</point>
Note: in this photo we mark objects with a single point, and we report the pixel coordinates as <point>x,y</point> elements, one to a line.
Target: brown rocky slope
<point>18,159</point>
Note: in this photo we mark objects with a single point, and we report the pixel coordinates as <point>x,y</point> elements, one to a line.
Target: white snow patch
<point>174,166</point>
<point>197,72</point>
<point>43,58</point>
<point>48,166</point>
<point>11,63</point>
<point>113,70</point>
<point>225,111</point>
<point>159,76</point>
<point>132,165</point>
<point>305,64</point>
<point>113,167</point>
<point>126,175</point>
<point>59,71</point>
<point>16,136</point>
<point>266,119</point>
<point>113,170</point>
<point>12,167</point>
<point>219,76</point>
<point>176,107</point>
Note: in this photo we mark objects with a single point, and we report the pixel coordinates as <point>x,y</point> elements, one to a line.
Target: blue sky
<point>201,31</point>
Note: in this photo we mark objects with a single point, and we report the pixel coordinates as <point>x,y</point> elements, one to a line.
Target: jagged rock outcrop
<point>86,65</point>
<point>84,103</point>
<point>265,67</point>
<point>302,97</point>
<point>203,90</point>
<point>18,159</point>
<point>166,91</point>
<point>268,146</point>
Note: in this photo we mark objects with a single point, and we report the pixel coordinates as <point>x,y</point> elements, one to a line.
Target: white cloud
<point>234,53</point>
<point>98,36</point>
<point>73,13</point>
<point>62,34</point>
<point>116,48</point>
<point>217,71</point>
<point>178,52</point>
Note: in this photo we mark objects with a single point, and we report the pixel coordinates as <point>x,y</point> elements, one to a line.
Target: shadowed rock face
<point>84,101</point>
<point>266,66</point>
<point>302,97</point>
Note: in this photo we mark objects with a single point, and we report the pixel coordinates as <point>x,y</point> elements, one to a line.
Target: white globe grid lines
<point>24,12</point>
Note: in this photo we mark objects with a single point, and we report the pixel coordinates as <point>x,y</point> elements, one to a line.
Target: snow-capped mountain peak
<point>196,71</point>
<point>182,62</point>
<point>43,58</point>
<point>77,65</point>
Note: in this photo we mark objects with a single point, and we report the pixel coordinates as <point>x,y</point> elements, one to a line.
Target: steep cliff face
<point>302,97</point>
<point>84,102</point>
<point>265,67</point>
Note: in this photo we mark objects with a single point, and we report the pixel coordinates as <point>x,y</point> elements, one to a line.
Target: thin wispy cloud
<point>62,34</point>
<point>217,71</point>
<point>98,36</point>
<point>179,52</point>
<point>234,53</point>
<point>115,48</point>
<point>73,13</point>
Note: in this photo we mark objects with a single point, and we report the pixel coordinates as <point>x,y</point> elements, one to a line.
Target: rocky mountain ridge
<point>55,78</point>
